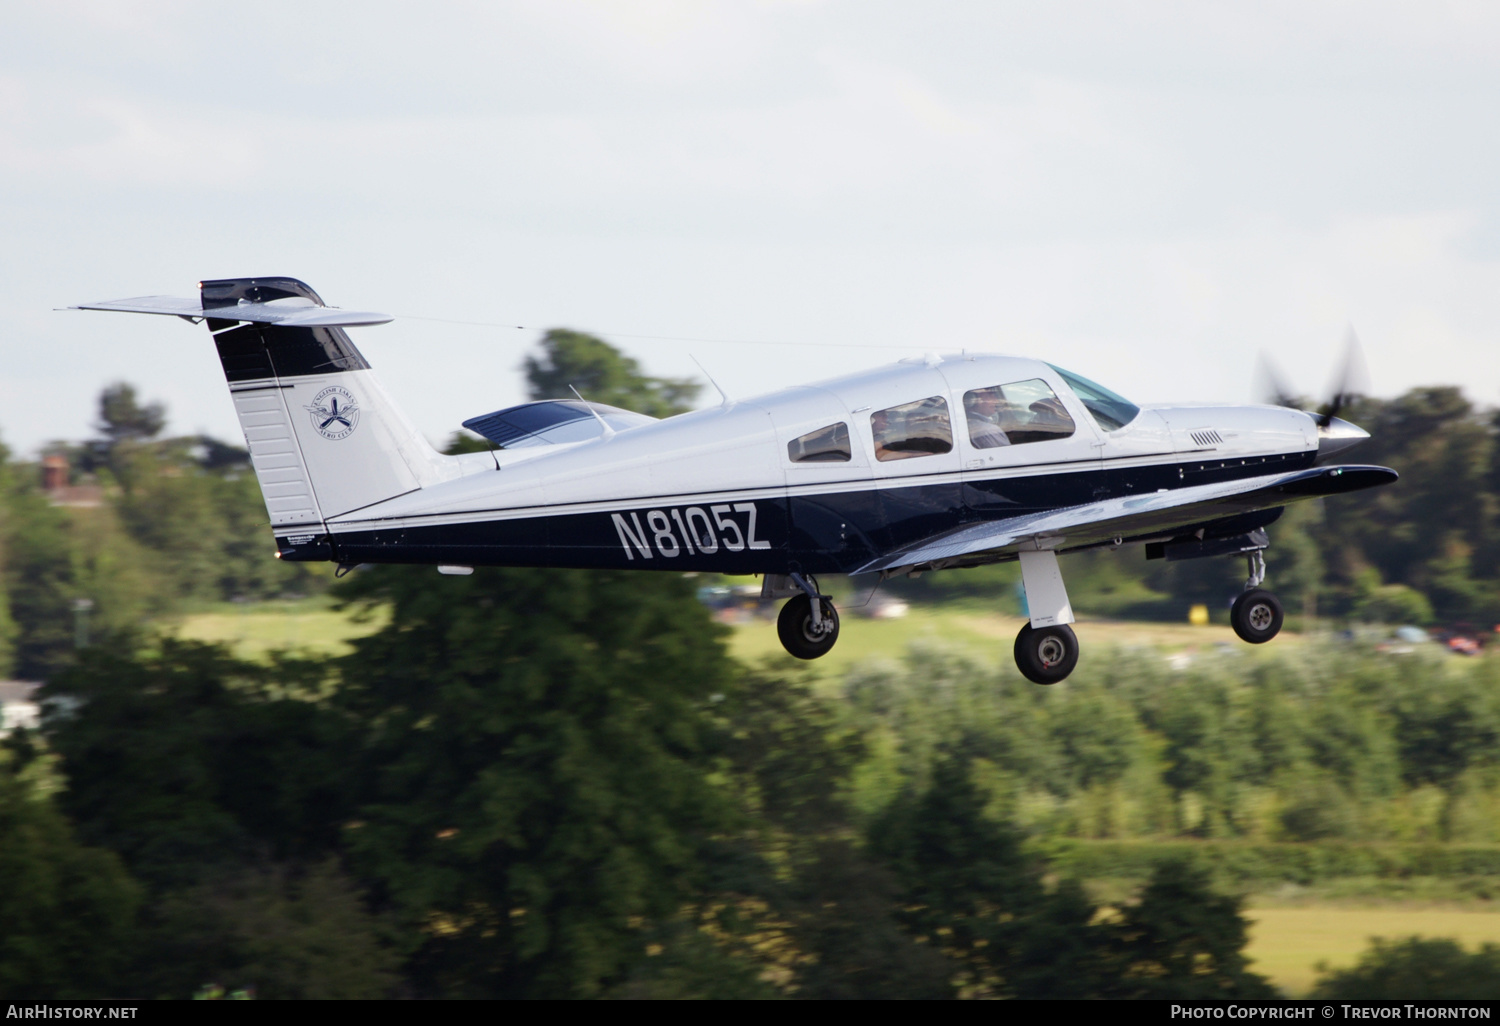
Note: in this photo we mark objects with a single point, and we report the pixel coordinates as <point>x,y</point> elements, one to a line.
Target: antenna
<point>609,432</point>
<point>722,394</point>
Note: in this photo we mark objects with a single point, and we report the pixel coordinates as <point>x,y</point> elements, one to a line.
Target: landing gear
<point>807,631</point>
<point>1256,615</point>
<point>1046,648</point>
<point>799,635</point>
<point>1045,655</point>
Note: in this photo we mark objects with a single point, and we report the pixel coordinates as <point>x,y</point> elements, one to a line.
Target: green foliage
<point>122,418</point>
<point>790,753</point>
<point>1182,939</point>
<point>181,757</point>
<point>538,754</point>
<point>1393,603</point>
<point>40,584</point>
<point>684,963</point>
<point>1337,742</point>
<point>971,891</point>
<point>602,374</point>
<point>205,530</point>
<point>853,935</point>
<point>1426,531</point>
<point>462,441</point>
<point>182,520</point>
<point>1415,968</point>
<point>282,932</point>
<point>1240,863</point>
<point>68,910</point>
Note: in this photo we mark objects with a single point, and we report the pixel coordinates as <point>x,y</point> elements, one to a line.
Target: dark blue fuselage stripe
<point>824,533</point>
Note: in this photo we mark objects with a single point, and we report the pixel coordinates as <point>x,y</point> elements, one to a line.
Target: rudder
<point>324,438</point>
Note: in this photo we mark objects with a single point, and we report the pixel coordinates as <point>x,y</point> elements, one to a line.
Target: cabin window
<point>825,445</point>
<point>912,429</point>
<point>1014,414</point>
<point>1110,411</point>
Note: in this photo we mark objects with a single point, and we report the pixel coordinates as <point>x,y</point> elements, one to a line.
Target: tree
<point>40,583</point>
<point>1415,968</point>
<point>1181,939</point>
<point>848,926</point>
<point>280,931</point>
<point>182,758</point>
<point>68,910</point>
<point>602,374</point>
<point>539,767</point>
<point>123,419</point>
<point>973,893</point>
<point>1425,531</point>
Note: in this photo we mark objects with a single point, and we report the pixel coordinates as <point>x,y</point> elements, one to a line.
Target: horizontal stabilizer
<point>292,312</point>
<point>1135,517</point>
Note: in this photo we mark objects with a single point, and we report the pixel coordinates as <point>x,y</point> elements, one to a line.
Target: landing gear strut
<point>1046,649</point>
<point>1256,615</point>
<point>807,631</point>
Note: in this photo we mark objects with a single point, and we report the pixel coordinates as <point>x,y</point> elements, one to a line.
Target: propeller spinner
<point>1350,380</point>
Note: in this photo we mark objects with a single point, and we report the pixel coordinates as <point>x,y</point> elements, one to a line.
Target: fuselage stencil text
<point>671,532</point>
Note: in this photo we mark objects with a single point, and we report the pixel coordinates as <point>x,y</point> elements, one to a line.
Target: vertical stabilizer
<point>324,438</point>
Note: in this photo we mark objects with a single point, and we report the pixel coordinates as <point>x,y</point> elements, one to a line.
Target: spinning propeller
<point>1351,379</point>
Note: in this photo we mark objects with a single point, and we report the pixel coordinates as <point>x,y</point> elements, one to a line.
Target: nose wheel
<point>1256,616</point>
<point>804,635</point>
<point>1046,655</point>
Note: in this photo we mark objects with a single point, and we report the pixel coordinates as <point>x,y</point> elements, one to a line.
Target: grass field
<point>989,636</point>
<point>310,626</point>
<point>1286,944</point>
<point>313,625</point>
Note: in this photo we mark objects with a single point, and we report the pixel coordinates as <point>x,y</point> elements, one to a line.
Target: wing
<point>1133,518</point>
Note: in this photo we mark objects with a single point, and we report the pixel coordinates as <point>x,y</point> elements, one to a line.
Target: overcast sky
<point>1148,193</point>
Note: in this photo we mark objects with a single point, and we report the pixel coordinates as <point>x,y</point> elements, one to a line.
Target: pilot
<point>1051,417</point>
<point>982,407</point>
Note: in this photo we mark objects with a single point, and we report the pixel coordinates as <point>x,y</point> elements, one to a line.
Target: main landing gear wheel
<point>798,634</point>
<point>1256,616</point>
<point>1045,655</point>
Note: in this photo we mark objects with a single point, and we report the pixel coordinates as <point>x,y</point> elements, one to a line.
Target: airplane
<point>932,463</point>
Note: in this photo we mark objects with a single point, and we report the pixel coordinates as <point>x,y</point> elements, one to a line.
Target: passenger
<point>880,427</point>
<point>982,407</point>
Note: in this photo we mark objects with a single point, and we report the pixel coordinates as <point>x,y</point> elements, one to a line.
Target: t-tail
<point>324,438</point>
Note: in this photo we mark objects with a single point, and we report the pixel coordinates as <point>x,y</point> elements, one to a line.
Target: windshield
<point>1110,411</point>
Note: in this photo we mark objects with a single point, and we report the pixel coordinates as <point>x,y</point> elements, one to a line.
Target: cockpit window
<point>1014,414</point>
<point>1110,411</point>
<point>912,429</point>
<point>825,445</point>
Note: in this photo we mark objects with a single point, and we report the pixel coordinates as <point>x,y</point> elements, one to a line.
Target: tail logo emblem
<point>334,412</point>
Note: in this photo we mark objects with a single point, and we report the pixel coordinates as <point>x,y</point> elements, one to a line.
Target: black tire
<point>1046,655</point>
<point>795,628</point>
<point>1256,616</point>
